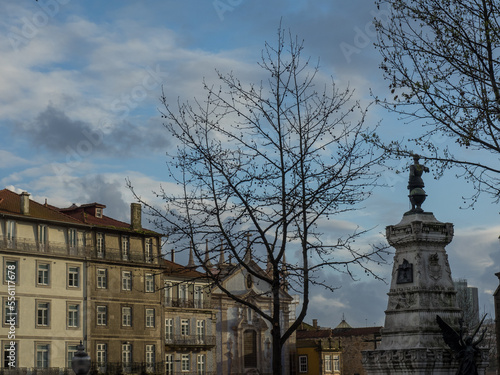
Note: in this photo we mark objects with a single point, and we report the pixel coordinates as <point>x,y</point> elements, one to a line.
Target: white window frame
<point>150,357</point>
<point>198,296</point>
<point>11,231</point>
<point>303,365</point>
<point>73,276</point>
<point>149,283</point>
<point>42,314</point>
<point>167,285</point>
<point>102,278</point>
<point>185,363</point>
<point>169,329</point>
<point>200,331</point>
<point>184,327</point>
<point>71,350</point>
<point>148,250</point>
<point>42,356</point>
<point>126,355</point>
<point>43,274</point>
<point>126,316</point>
<point>336,363</point>
<point>169,364</point>
<point>125,247</point>
<point>101,312</point>
<point>127,280</point>
<point>72,238</point>
<point>99,240</point>
<point>183,293</point>
<point>200,364</point>
<point>43,235</point>
<point>73,315</point>
<point>102,356</point>
<point>149,318</point>
<point>328,362</point>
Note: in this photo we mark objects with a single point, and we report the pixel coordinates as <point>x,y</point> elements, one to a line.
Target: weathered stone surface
<point>421,288</point>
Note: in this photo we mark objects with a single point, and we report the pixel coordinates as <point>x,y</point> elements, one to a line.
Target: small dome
<point>343,325</point>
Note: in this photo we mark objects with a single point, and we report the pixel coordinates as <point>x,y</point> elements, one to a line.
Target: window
<point>98,212</point>
<point>102,278</point>
<point>150,357</point>
<point>148,250</point>
<point>126,356</point>
<point>303,363</point>
<point>10,356</point>
<point>102,315</point>
<point>73,277</point>
<point>249,348</point>
<point>328,363</point>
<point>72,238</point>
<point>198,296</point>
<point>101,356</point>
<point>125,248</point>
<point>100,245</point>
<point>11,232</point>
<point>200,364</point>
<point>149,283</point>
<point>127,316</point>
<point>70,353</point>
<point>184,327</point>
<point>42,356</point>
<point>183,293</point>
<point>42,236</point>
<point>185,362</point>
<point>126,280</point>
<point>150,318</point>
<point>73,316</point>
<point>10,312</point>
<point>336,363</point>
<point>42,314</point>
<point>169,364</point>
<point>200,330</point>
<point>169,329</point>
<point>168,293</point>
<point>43,274</point>
<point>11,271</point>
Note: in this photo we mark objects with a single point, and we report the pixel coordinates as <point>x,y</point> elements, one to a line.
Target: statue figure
<point>416,184</point>
<point>416,171</point>
<point>465,348</point>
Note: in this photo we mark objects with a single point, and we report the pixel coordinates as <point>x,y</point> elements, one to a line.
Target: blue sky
<point>80,85</point>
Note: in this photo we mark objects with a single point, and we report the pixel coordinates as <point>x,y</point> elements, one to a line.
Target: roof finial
<point>248,253</point>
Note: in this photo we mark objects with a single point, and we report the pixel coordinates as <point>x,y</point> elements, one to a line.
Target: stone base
<point>421,361</point>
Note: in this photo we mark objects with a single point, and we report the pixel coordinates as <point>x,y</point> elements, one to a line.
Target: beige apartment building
<point>43,283</point>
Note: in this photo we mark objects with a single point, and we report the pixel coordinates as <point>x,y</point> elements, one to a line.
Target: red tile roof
<point>10,203</point>
<point>347,332</point>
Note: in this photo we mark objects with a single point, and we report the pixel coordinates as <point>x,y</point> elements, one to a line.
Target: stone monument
<point>421,288</point>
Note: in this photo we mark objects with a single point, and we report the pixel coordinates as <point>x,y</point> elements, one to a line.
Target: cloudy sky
<point>80,85</point>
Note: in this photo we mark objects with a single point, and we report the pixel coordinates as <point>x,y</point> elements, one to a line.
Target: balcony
<point>189,304</point>
<point>190,341</point>
<point>29,245</point>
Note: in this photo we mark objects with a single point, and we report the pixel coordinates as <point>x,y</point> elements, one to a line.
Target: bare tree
<point>441,59</point>
<point>263,167</point>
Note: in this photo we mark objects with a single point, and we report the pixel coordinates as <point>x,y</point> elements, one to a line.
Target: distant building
<point>244,342</point>
<point>327,351</point>
<point>468,301</point>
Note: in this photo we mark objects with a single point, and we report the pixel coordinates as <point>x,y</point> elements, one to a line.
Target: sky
<point>80,84</point>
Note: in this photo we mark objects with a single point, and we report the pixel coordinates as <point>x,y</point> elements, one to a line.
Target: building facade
<point>43,283</point>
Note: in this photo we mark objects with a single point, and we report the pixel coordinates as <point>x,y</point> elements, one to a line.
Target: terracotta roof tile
<point>10,203</point>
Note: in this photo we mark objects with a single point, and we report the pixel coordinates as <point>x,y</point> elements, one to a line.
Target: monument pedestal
<point>421,288</point>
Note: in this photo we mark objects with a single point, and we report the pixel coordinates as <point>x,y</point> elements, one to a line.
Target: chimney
<point>315,323</point>
<point>135,216</point>
<point>25,203</point>
<point>173,255</point>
